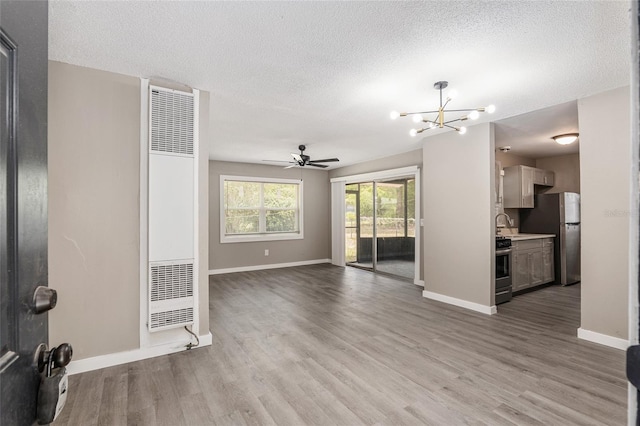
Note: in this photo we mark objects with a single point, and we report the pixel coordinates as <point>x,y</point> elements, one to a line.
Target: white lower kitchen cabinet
<point>520,269</point>
<point>532,262</point>
<point>537,268</point>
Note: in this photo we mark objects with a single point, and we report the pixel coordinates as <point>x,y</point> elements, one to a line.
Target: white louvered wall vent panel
<point>171,281</point>
<point>159,320</point>
<point>172,189</point>
<point>171,122</point>
<point>170,295</point>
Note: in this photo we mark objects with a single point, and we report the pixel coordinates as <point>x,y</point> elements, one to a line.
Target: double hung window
<point>260,209</point>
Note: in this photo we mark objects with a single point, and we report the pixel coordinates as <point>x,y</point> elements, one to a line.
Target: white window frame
<point>282,236</point>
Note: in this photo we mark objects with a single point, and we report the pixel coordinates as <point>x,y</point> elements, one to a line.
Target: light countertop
<point>521,237</point>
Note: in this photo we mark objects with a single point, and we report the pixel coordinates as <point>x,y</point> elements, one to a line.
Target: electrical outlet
<point>266,252</point>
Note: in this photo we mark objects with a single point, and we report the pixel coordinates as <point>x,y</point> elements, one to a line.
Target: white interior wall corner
<point>337,223</point>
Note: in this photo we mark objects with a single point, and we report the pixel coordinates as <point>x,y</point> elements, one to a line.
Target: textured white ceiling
<point>529,135</point>
<point>326,74</point>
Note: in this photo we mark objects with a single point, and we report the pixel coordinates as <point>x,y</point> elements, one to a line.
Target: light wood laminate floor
<point>328,345</point>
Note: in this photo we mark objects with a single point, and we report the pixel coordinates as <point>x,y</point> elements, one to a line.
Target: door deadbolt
<point>44,299</point>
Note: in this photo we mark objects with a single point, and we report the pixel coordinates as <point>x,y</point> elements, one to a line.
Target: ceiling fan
<point>301,160</point>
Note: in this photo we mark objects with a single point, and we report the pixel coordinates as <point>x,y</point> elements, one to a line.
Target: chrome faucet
<point>509,222</point>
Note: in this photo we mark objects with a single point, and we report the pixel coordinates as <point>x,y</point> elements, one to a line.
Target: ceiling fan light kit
<point>566,138</point>
<point>440,121</point>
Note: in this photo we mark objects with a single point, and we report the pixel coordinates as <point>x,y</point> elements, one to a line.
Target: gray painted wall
<point>567,172</point>
<point>606,212</point>
<point>458,214</point>
<point>94,232</point>
<point>507,159</point>
<point>94,213</point>
<point>317,219</point>
<point>411,158</point>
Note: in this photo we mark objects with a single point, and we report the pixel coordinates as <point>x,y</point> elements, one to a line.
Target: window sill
<point>260,237</point>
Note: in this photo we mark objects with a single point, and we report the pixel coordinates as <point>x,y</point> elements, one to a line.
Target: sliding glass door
<point>395,227</point>
<point>380,226</point>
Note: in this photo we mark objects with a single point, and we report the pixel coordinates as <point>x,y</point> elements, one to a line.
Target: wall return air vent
<point>172,188</point>
<point>171,122</point>
<point>171,295</point>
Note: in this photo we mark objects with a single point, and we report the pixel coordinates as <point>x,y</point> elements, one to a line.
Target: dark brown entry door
<point>23,203</point>
<point>633,352</point>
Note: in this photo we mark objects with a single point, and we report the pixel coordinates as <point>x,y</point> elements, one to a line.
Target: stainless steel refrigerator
<point>557,214</point>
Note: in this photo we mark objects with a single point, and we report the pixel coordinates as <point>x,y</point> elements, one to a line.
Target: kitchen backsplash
<point>508,231</point>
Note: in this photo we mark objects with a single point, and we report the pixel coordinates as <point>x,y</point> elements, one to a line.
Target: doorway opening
<point>380,226</point>
<point>538,186</point>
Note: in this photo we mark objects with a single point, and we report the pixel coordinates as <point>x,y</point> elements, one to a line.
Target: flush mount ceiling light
<point>566,139</point>
<point>439,121</point>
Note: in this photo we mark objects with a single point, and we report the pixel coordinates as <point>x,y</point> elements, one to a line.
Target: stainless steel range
<point>503,270</point>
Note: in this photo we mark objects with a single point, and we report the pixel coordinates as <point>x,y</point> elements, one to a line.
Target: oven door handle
<point>507,251</point>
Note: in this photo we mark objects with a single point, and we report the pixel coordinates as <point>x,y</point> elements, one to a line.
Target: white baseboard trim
<point>603,339</point>
<point>418,282</point>
<point>268,266</point>
<point>488,310</point>
<point>109,360</point>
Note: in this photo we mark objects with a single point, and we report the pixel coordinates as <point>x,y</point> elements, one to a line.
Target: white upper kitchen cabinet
<point>519,184</point>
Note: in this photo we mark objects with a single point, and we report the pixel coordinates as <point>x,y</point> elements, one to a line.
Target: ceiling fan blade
<point>293,165</point>
<point>317,165</point>
<point>326,160</point>
<point>297,158</point>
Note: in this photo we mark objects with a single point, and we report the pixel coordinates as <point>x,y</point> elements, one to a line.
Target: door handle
<point>44,299</point>
<point>57,357</point>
